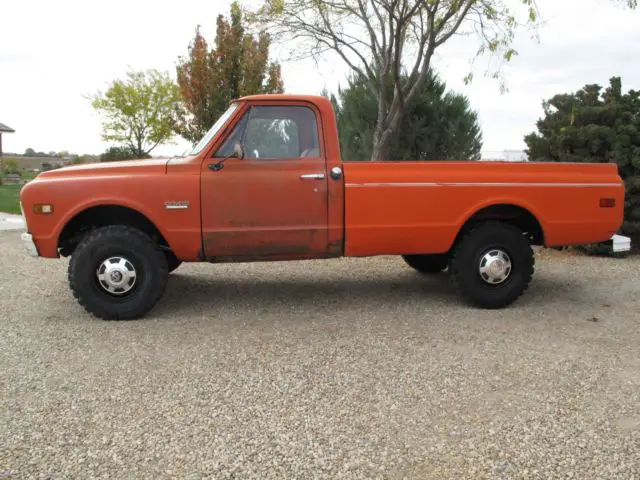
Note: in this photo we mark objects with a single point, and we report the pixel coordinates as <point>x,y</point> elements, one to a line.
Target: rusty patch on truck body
<point>335,248</point>
<point>246,245</point>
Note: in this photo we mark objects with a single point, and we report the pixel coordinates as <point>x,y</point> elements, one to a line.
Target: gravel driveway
<point>339,369</point>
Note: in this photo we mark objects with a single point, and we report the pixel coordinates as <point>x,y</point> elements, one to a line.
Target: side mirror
<point>238,152</point>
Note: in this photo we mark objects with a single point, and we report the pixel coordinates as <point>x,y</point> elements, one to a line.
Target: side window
<point>226,148</point>
<point>275,132</point>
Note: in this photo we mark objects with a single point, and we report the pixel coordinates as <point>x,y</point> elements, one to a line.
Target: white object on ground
<point>621,243</point>
<point>11,222</point>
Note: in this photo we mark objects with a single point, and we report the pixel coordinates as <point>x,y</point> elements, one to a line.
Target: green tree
<point>114,154</point>
<point>29,152</point>
<point>139,111</point>
<point>86,158</point>
<point>237,65</point>
<point>592,125</point>
<point>439,125</point>
<point>383,40</point>
<point>10,166</point>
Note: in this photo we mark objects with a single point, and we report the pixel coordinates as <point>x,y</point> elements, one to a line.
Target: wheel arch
<point>89,217</point>
<point>523,217</point>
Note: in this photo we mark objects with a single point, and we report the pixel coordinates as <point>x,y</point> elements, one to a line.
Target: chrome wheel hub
<point>116,275</point>
<point>495,266</point>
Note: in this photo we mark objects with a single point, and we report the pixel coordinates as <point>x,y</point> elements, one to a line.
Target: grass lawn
<point>10,194</point>
<point>9,198</point>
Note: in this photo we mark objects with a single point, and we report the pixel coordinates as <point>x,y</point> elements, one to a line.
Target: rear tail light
<point>607,202</point>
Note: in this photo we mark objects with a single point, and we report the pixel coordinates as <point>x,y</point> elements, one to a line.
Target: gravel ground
<point>352,368</point>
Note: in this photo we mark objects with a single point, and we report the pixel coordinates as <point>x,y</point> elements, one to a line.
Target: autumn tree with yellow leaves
<point>238,64</point>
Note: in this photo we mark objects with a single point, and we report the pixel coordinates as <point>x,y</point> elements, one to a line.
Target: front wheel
<point>492,265</point>
<point>118,273</point>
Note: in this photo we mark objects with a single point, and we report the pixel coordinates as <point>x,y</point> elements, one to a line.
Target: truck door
<point>272,203</point>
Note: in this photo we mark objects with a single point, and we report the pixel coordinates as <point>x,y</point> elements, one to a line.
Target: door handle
<point>312,176</point>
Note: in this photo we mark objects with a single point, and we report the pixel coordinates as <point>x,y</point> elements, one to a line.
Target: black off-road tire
<point>428,264</point>
<point>172,261</point>
<point>466,260</point>
<point>144,254</point>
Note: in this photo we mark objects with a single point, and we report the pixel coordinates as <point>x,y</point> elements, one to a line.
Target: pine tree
<point>439,125</point>
<point>595,126</point>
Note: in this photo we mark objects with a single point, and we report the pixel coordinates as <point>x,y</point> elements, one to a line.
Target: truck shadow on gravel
<point>197,294</point>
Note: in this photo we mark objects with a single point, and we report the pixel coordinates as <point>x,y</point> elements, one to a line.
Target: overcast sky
<point>54,53</point>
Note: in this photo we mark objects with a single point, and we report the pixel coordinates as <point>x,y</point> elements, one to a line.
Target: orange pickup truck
<point>267,183</point>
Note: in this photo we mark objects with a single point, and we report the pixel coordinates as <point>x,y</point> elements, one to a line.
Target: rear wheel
<point>492,265</point>
<point>427,263</point>
<point>118,273</point>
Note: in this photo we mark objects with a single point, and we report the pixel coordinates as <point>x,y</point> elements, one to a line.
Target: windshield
<point>213,130</point>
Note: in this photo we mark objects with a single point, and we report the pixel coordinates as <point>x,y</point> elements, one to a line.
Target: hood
<point>125,167</point>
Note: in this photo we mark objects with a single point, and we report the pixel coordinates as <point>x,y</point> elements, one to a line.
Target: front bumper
<point>27,241</point>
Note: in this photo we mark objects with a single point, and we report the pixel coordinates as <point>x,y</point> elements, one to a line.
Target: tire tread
<point>467,239</point>
<point>128,235</point>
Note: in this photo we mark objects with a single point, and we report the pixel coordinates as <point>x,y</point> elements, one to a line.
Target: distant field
<point>33,162</point>
<point>9,198</point>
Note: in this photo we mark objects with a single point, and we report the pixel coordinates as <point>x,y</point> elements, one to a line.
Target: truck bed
<point>418,207</point>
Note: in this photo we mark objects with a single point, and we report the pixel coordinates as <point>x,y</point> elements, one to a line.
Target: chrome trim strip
<point>176,205</point>
<point>479,184</point>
